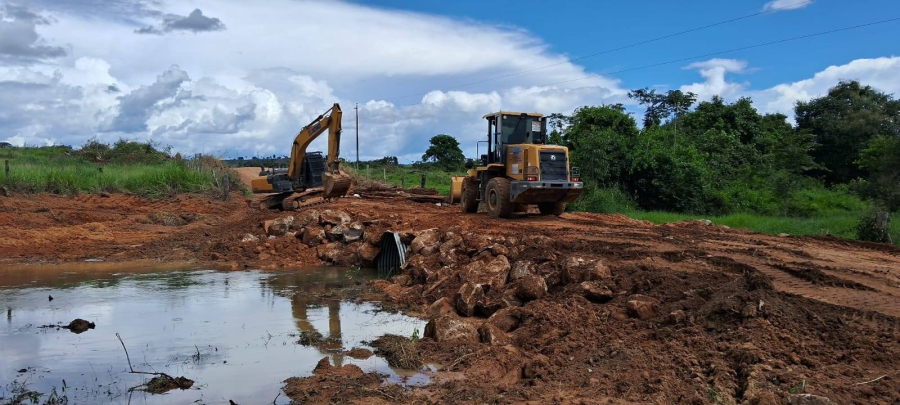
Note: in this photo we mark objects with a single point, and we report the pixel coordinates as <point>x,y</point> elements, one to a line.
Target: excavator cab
<point>520,169</point>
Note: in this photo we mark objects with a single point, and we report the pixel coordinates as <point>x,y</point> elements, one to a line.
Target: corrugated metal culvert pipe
<point>392,255</point>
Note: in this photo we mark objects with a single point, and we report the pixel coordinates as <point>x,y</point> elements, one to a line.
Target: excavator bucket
<point>335,184</point>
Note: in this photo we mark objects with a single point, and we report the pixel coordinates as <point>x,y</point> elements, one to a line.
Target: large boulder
<point>493,272</point>
<point>440,307</point>
<point>493,304</point>
<point>306,218</point>
<point>449,257</point>
<point>278,227</point>
<point>508,319</point>
<point>354,232</point>
<point>367,254</point>
<point>330,252</point>
<point>451,327</point>
<point>573,270</point>
<point>521,269</point>
<point>492,335</point>
<point>350,255</point>
<point>336,233</point>
<point>313,236</point>
<point>334,217</point>
<point>477,242</point>
<point>417,266</point>
<point>426,242</point>
<point>451,240</point>
<point>531,287</point>
<point>597,270</point>
<point>468,297</point>
<point>499,250</point>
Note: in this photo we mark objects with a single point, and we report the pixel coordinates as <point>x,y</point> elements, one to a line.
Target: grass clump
<point>399,351</point>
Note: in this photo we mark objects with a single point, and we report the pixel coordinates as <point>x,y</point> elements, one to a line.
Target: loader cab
<point>512,128</point>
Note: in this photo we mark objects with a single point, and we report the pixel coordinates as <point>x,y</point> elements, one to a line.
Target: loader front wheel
<point>469,197</point>
<point>497,198</point>
<point>552,208</point>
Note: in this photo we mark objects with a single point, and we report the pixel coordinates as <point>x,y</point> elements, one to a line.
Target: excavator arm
<point>284,182</point>
<point>329,121</point>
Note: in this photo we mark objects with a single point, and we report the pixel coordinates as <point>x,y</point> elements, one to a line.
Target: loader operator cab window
<point>518,129</point>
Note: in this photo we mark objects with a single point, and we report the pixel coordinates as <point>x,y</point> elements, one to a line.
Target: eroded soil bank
<point>585,308</point>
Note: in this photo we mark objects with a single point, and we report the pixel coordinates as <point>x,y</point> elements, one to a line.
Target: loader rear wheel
<point>497,198</point>
<point>552,208</point>
<point>469,197</point>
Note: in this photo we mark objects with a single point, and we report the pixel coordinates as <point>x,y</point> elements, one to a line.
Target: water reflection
<point>244,324</point>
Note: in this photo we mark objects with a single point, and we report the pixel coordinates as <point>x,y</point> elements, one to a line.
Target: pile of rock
<point>476,287</point>
<point>337,238</point>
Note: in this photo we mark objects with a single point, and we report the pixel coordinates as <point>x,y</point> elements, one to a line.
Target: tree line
<point>716,157</point>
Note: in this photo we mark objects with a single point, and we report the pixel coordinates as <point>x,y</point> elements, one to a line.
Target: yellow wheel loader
<point>307,180</point>
<point>519,169</point>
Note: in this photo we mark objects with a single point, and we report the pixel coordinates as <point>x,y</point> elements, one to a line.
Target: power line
<point>706,55</point>
<point>569,60</point>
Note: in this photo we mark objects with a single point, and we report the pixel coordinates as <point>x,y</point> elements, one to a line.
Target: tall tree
<point>599,139</point>
<point>557,123</point>
<point>662,106</point>
<point>444,151</point>
<point>843,122</point>
<point>882,159</point>
<point>655,104</point>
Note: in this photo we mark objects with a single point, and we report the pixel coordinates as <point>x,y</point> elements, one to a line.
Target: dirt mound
<point>399,351</point>
<point>330,384</point>
<point>162,384</point>
<point>79,326</point>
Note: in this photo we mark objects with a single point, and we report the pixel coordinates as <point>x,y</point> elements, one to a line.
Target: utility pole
<point>357,135</point>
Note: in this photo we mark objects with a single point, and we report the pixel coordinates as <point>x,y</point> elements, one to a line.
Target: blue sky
<point>235,78</point>
<point>578,28</point>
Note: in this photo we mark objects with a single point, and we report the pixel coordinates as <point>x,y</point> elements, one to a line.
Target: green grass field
<point>61,170</point>
<point>842,225</point>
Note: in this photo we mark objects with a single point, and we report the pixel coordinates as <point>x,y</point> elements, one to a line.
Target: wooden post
<point>423,179</point>
<point>225,187</point>
<point>7,167</point>
<point>402,179</point>
<point>384,173</point>
<point>367,172</point>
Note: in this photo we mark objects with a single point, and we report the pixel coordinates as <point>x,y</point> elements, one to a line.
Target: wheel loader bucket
<point>335,184</point>
<point>456,188</point>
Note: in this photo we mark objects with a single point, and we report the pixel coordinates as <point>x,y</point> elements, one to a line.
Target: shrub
<point>874,226</point>
<point>604,200</point>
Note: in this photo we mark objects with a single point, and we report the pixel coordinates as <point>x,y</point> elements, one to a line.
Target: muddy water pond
<point>236,334</point>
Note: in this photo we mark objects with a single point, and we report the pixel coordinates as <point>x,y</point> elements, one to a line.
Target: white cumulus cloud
<point>714,71</point>
<point>780,5</point>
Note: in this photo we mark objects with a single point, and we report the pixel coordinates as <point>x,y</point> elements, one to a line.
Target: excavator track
<point>294,201</point>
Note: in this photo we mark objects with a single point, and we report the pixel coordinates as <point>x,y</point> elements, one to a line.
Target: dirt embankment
<point>580,309</point>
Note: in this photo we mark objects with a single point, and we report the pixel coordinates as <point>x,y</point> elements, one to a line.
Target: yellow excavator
<point>309,178</point>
